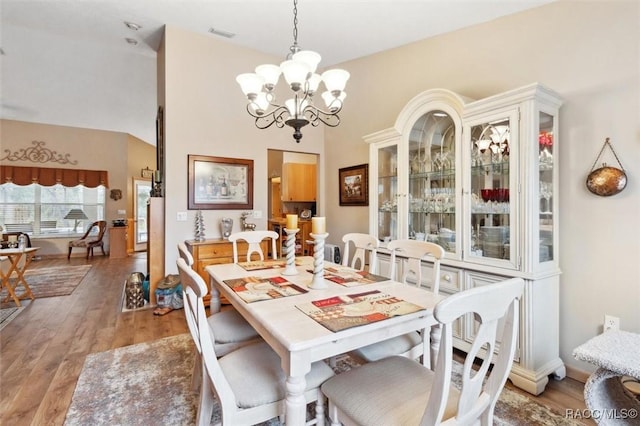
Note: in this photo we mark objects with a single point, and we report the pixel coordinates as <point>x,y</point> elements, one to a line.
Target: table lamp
<point>77,215</point>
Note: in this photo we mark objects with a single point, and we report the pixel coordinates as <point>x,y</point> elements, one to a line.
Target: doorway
<point>281,183</point>
<point>141,194</point>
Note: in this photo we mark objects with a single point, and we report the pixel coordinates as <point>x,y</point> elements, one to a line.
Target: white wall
<point>589,52</point>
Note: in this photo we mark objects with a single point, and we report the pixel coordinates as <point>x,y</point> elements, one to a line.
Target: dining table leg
<point>295,411</point>
<point>296,366</point>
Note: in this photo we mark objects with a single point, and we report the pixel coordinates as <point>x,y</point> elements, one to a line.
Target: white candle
<point>292,221</point>
<point>318,225</point>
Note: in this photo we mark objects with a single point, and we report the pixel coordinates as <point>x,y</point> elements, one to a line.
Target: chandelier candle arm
<point>290,249</point>
<point>299,72</point>
<point>318,282</point>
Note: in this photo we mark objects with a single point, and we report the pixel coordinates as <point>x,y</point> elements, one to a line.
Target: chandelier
<point>299,71</point>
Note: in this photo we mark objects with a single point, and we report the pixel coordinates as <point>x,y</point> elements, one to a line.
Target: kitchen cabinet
<point>298,182</point>
<point>480,179</point>
<point>215,251</point>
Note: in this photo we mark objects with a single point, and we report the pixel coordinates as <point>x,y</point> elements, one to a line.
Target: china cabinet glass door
<point>545,166</point>
<point>388,192</point>
<point>432,180</point>
<point>492,147</point>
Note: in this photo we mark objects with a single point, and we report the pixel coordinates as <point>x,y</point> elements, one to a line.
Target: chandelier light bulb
<point>295,73</point>
<point>335,80</point>
<point>250,83</point>
<point>332,102</point>
<point>308,57</point>
<point>270,73</point>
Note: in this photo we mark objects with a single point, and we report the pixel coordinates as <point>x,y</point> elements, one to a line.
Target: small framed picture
<point>146,173</point>
<point>217,183</point>
<point>354,185</point>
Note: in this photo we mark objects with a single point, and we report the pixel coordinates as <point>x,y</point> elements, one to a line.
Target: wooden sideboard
<point>216,251</point>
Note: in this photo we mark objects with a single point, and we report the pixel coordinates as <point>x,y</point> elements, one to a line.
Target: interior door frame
<point>139,245</point>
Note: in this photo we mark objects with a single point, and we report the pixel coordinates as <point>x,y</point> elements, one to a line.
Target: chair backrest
<point>203,335</point>
<point>363,244</point>
<point>488,305</point>
<point>194,289</point>
<point>184,253</point>
<point>253,238</point>
<point>411,253</point>
<point>102,227</point>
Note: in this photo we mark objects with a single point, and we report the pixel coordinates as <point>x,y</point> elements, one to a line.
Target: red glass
<point>486,194</point>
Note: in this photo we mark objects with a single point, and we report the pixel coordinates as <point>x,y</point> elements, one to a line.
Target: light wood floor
<point>43,350</point>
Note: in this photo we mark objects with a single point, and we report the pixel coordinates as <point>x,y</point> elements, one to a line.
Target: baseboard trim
<point>577,374</point>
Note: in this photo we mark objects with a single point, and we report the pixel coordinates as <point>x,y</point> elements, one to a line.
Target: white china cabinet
<point>478,178</point>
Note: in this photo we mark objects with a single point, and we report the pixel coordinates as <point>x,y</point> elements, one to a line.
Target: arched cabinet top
<point>430,100</point>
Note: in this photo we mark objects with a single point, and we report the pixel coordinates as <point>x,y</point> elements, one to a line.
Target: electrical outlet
<point>611,323</point>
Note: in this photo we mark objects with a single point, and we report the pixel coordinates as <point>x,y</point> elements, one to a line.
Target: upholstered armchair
<point>89,240</point>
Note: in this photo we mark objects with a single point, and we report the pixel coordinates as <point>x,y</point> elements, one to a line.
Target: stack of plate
<point>493,239</point>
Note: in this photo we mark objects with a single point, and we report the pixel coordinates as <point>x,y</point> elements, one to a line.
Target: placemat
<point>350,277</point>
<point>252,289</point>
<point>342,312</point>
<point>256,265</point>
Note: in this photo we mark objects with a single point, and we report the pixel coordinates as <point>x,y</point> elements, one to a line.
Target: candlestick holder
<point>290,249</point>
<point>317,282</point>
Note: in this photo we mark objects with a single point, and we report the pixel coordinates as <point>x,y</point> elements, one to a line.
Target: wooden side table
<point>118,242</point>
<point>617,354</point>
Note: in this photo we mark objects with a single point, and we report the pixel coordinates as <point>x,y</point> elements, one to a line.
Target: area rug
<point>50,282</point>
<point>150,383</point>
<point>7,314</point>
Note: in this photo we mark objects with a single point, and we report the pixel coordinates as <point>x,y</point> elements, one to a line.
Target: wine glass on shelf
<point>546,191</point>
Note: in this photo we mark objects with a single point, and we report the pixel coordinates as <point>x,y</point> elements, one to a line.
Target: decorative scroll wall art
<point>38,153</point>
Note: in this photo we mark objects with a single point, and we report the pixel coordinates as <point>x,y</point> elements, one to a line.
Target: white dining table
<point>299,340</point>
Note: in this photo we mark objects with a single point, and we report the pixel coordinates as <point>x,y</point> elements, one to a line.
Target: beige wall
<point>586,51</point>
<point>205,114</point>
<point>122,155</point>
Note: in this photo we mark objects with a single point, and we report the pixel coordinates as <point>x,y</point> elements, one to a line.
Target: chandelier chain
<point>294,47</point>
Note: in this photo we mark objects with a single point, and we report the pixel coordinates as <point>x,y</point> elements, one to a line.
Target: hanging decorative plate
<point>606,180</point>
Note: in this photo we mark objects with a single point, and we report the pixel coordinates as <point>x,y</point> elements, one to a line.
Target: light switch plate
<point>122,212</point>
<point>257,214</point>
<point>181,216</point>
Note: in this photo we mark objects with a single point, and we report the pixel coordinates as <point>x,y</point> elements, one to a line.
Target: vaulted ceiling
<point>67,62</point>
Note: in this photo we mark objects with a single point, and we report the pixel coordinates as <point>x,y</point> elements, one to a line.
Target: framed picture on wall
<point>354,185</point>
<point>218,183</point>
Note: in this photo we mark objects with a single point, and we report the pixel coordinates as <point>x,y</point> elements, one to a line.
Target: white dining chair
<point>232,330</point>
<point>400,391</point>
<point>407,256</point>
<point>363,244</point>
<point>183,252</point>
<point>248,383</point>
<point>253,238</point>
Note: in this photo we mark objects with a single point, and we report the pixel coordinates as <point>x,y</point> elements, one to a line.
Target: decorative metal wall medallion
<point>38,153</point>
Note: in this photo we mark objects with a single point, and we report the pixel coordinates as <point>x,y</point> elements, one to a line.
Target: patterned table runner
<point>252,289</point>
<point>342,312</point>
